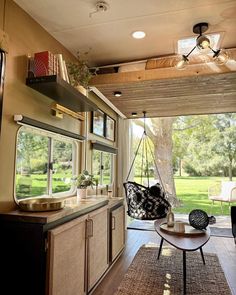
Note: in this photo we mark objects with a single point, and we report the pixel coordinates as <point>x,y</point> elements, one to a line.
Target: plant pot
<point>81,193</point>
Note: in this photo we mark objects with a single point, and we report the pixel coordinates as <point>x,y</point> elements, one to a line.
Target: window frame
<point>51,136</point>
<point>101,184</point>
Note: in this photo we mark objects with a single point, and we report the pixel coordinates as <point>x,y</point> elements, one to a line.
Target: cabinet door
<point>66,260</point>
<point>117,231</point>
<point>97,245</point>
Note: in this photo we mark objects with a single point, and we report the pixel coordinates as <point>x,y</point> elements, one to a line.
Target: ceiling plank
<point>206,94</point>
<point>201,88</point>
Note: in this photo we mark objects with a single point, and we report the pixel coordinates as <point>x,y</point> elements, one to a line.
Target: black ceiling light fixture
<point>203,44</point>
<point>117,93</point>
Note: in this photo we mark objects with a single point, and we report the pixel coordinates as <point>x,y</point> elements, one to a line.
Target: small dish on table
<point>178,229</point>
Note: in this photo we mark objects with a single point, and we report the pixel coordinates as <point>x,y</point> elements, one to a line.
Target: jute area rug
<point>148,276</point>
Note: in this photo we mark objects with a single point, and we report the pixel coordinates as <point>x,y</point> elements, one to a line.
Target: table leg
<point>203,259</point>
<point>160,248</point>
<point>184,271</point>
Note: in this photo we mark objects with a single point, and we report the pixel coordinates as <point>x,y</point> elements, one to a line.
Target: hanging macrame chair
<point>146,202</point>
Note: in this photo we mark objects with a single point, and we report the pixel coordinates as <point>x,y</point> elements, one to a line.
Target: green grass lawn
<point>36,185</point>
<point>193,192</point>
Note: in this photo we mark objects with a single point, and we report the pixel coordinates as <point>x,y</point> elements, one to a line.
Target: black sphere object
<point>198,219</point>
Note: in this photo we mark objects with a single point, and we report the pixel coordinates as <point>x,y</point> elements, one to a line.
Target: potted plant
<point>79,73</point>
<point>83,180</point>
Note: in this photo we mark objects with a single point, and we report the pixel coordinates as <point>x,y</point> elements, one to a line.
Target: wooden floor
<point>223,247</point>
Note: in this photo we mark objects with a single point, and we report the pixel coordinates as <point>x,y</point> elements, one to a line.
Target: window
<point>45,164</point>
<point>103,167</point>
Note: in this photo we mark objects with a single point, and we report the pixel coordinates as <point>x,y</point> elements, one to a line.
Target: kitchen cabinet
<point>66,258</point>
<point>61,252</point>
<point>97,234</point>
<point>117,237</point>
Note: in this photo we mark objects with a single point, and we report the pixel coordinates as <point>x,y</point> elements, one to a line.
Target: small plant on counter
<point>84,180</point>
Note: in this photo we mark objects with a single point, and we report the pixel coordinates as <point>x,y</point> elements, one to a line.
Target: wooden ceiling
<point>202,88</point>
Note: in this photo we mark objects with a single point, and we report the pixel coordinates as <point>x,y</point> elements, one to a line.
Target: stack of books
<point>46,63</point>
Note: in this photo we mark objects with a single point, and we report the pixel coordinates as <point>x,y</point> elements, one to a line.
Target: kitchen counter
<point>71,210</point>
<point>43,247</point>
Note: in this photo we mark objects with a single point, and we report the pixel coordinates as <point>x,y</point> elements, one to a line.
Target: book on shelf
<point>66,72</point>
<point>55,65</point>
<point>62,68</point>
<point>45,64</point>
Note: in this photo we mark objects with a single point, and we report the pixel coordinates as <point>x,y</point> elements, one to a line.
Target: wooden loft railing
<point>163,68</point>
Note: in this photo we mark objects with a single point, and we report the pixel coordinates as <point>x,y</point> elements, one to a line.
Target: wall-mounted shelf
<point>62,92</point>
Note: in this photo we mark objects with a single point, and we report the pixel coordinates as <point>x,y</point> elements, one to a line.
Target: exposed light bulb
<point>221,57</point>
<point>182,63</point>
<point>203,44</point>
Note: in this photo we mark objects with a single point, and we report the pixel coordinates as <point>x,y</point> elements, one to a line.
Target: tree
<point>182,128</point>
<point>159,131</point>
<point>32,151</point>
<point>206,143</point>
<point>225,139</point>
<point>191,137</point>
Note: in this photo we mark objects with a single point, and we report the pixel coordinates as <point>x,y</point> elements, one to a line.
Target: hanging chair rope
<point>147,166</point>
<point>135,155</point>
<point>144,202</point>
<point>142,162</point>
<point>145,145</point>
<point>157,170</point>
